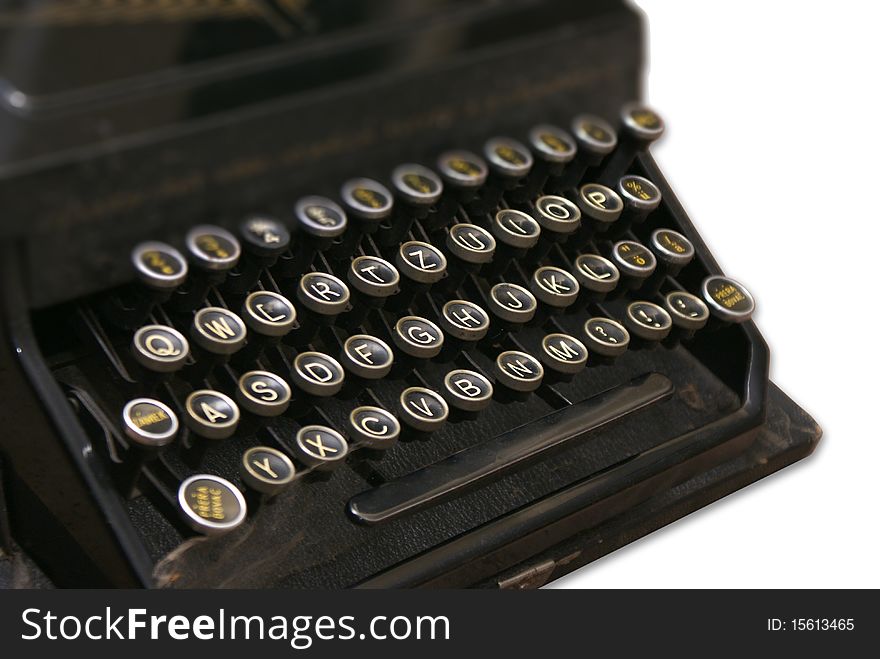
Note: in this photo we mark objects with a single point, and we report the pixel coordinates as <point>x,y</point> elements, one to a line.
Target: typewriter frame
<point>88,538</point>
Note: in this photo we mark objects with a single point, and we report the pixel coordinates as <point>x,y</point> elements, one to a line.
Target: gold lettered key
<point>595,139</point>
<point>463,172</point>
<point>510,162</point>
<point>640,198</point>
<point>211,505</point>
<point>640,122</point>
<point>553,149</point>
<point>639,127</point>
<point>634,261</point>
<point>149,425</point>
<point>160,270</point>
<point>369,204</point>
<point>212,252</point>
<point>159,266</point>
<point>728,300</point>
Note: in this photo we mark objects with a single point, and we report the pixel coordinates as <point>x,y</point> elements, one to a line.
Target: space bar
<point>476,464</point>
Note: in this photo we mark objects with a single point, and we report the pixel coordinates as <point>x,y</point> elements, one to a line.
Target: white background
<point>773,146</point>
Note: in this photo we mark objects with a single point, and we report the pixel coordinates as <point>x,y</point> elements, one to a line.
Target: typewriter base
<point>789,435</point>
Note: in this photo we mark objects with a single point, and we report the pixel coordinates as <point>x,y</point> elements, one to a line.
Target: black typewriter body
<point>513,491</point>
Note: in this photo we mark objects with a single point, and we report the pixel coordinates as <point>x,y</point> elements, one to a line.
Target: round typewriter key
<point>417,185</point>
<point>554,287</point>
<point>218,330</point>
<point>639,127</point>
<point>374,427</point>
<point>596,273</point>
<point>467,391</point>
<point>606,337</point>
<point>563,353</point>
<point>421,262</point>
<point>648,321</point>
<point>640,198</point>
<point>373,276</point>
<point>317,374</point>
<point>641,122</point>
<point>418,189</point>
<point>213,248</point>
<point>263,393</point>
<point>211,505</point>
<point>266,470</point>
<point>211,414</point>
<point>373,280</point>
<point>512,303</point>
<point>320,447</point>
<point>269,316</point>
<point>639,194</point>
<point>149,423</point>
<point>516,229</point>
<point>508,158</point>
<point>423,409</point>
<point>557,214</point>
<point>160,269</point>
<point>470,243</point>
<point>516,233</point>
<point>462,169</point>
<point>634,260</point>
<point>595,139</point>
<point>367,199</point>
<point>160,349</point>
<point>320,217</point>
<point>601,204</point>
<point>464,320</point>
<point>518,371</point>
<point>594,136</point>
<point>369,203</point>
<point>687,310</point>
<point>728,300</point>
<point>159,266</point>
<point>367,357</point>
<point>322,293</point>
<point>318,223</point>
<point>264,237</point>
<point>672,248</point>
<point>553,149</point>
<point>558,218</point>
<point>417,337</point>
<point>552,144</point>
<point>268,313</point>
<point>509,162</point>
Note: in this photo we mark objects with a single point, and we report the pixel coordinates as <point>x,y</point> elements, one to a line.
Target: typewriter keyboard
<point>408,342</point>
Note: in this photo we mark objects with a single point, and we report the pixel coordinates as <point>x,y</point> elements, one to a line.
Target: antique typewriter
<point>362,294</point>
